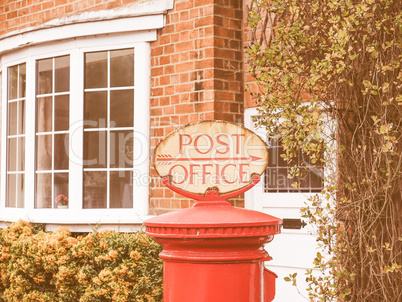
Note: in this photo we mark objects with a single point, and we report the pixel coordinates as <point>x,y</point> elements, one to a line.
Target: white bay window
<point>76,123</point>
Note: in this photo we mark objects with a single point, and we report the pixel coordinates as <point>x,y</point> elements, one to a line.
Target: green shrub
<point>101,266</point>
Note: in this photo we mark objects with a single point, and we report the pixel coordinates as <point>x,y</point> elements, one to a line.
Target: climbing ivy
<point>328,83</point>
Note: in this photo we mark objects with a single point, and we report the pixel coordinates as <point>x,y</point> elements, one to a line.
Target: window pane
<point>95,189</point>
<point>11,190</point>
<point>282,179</point>
<point>122,108</point>
<point>61,112</point>
<point>21,117</point>
<point>95,147</point>
<point>13,82</point>
<point>20,190</point>
<point>12,118</point>
<point>122,68</point>
<point>62,74</point>
<point>44,114</point>
<point>121,189</point>
<point>22,81</point>
<point>44,152</point>
<point>12,154</point>
<point>21,154</point>
<point>316,179</point>
<point>43,190</point>
<point>95,109</point>
<point>61,151</point>
<point>96,69</point>
<point>281,161</point>
<point>60,185</point>
<point>276,180</point>
<point>121,149</point>
<point>44,77</point>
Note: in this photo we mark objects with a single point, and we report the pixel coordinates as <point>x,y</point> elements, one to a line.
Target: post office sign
<point>211,154</point>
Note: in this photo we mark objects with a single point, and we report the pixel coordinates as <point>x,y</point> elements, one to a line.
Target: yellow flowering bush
<point>56,266</point>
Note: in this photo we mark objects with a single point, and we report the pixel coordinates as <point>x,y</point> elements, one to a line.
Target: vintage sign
<point>211,154</point>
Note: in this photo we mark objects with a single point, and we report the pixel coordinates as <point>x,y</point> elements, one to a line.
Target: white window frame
<point>75,214</point>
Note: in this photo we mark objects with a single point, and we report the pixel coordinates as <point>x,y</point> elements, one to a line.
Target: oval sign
<point>211,154</point>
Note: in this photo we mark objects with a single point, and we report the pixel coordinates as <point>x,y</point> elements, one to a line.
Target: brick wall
<point>19,14</point>
<point>196,72</point>
<point>196,75</point>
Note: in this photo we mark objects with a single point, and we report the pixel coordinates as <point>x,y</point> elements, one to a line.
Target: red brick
<point>209,31</point>
<point>207,42</point>
<point>164,60</point>
<point>187,25</point>
<point>184,78</point>
<point>12,15</point>
<point>205,21</point>
<point>182,67</point>
<point>164,80</point>
<point>156,51</point>
<point>47,5</point>
<point>168,49</point>
<point>184,56</point>
<point>183,88</point>
<point>184,46</point>
<point>183,5</point>
<point>163,101</point>
<point>168,110</point>
<point>184,108</point>
<point>169,90</point>
<point>194,118</point>
<point>165,203</point>
<point>193,34</point>
<point>194,13</point>
<point>176,204</point>
<point>184,16</point>
<point>175,99</point>
<point>60,2</point>
<point>175,79</point>
<point>173,18</point>
<point>184,35</point>
<point>169,69</point>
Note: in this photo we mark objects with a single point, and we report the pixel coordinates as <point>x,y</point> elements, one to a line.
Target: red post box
<point>214,252</point>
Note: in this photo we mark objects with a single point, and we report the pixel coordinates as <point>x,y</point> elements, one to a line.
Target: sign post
<point>212,251</point>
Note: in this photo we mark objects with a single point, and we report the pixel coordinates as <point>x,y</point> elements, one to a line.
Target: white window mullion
<point>108,134</point>
<point>76,129</point>
<point>30,113</point>
<point>3,99</point>
<point>18,136</point>
<point>53,118</point>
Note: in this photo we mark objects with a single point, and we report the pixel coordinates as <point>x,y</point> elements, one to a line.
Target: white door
<point>293,250</point>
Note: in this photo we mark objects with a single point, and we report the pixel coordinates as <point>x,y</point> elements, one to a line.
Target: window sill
<point>86,220</point>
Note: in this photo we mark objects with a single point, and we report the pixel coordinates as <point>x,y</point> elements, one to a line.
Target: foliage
<point>328,82</point>
<point>101,266</point>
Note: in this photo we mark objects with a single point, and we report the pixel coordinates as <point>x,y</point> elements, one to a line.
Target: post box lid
<point>211,220</point>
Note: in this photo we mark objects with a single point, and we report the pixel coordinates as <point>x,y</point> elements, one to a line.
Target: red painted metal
<point>212,194</point>
<point>214,252</point>
<point>269,284</point>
